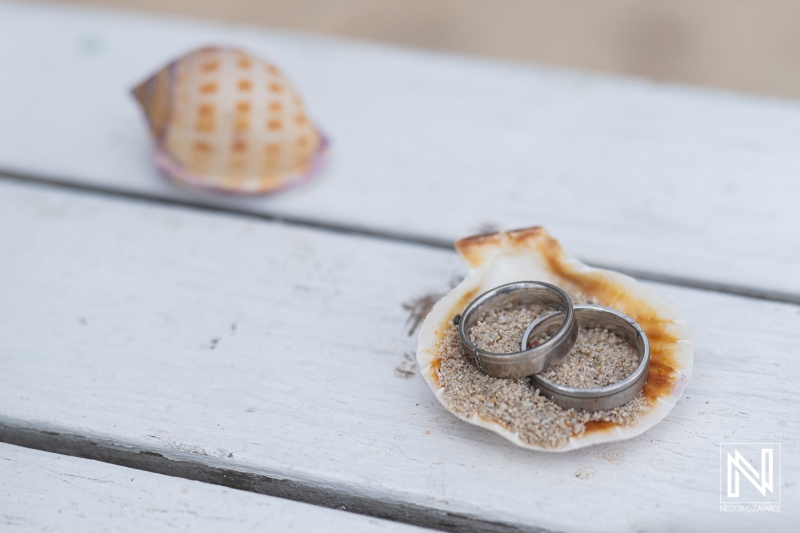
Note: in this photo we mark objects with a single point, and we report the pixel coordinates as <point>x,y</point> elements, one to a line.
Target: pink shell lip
<point>177,172</point>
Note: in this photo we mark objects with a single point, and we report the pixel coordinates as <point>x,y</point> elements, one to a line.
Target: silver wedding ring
<point>598,398</point>
<point>529,360</point>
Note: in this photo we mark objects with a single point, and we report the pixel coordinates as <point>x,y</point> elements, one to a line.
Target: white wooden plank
<point>272,350</point>
<point>43,491</point>
<point>663,179</point>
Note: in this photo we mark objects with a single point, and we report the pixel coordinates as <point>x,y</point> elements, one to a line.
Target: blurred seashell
<point>227,121</point>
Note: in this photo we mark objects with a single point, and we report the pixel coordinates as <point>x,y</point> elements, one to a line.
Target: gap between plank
<point>20,434</point>
<point>387,235</point>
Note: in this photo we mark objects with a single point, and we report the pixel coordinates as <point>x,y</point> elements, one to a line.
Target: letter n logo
<point>739,465</point>
<point>750,472</point>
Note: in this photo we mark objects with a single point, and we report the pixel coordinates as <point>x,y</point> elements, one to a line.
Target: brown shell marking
<point>663,371</point>
<point>595,426</point>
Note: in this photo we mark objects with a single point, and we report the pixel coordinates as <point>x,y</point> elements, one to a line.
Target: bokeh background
<point>743,45</point>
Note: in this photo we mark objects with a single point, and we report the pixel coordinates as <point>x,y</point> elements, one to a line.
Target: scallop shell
<point>225,120</point>
<point>532,254</point>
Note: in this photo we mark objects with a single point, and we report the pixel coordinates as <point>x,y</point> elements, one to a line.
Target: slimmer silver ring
<point>598,398</point>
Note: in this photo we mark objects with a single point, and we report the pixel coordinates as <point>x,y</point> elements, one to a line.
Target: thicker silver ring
<point>527,361</point>
<point>598,398</point>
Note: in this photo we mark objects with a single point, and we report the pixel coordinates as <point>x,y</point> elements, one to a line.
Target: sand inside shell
<point>599,357</point>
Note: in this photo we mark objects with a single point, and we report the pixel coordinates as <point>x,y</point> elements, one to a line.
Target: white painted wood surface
<point>665,179</point>
<point>270,349</point>
<point>42,491</point>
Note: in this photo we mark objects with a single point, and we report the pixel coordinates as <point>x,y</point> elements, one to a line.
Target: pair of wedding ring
<point>532,360</point>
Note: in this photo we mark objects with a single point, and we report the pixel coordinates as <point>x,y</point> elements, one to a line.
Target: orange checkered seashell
<point>227,121</point>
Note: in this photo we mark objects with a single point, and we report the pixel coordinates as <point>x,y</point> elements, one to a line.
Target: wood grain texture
<point>42,491</point>
<point>278,351</point>
<point>654,178</point>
